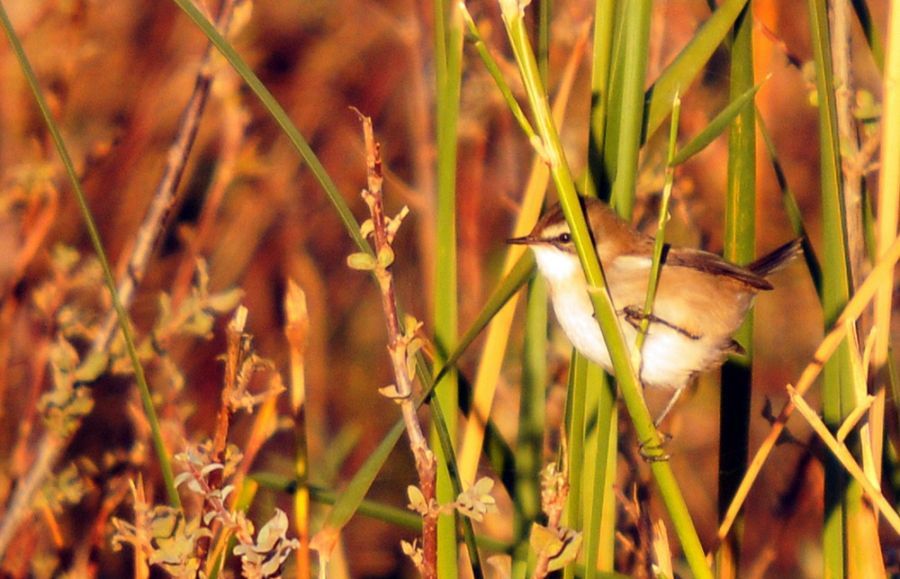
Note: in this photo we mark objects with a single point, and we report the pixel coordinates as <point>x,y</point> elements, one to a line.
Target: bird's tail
<point>777,259</point>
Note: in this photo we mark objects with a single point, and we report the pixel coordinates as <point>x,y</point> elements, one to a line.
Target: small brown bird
<point>700,302</point>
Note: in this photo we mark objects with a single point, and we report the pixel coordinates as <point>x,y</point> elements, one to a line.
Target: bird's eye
<point>564,238</point>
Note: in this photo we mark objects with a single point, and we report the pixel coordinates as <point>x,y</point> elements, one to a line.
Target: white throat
<point>558,266</point>
<point>571,301</point>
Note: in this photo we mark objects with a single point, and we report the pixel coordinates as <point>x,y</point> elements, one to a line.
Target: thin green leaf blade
<point>679,75</point>
<point>716,126</point>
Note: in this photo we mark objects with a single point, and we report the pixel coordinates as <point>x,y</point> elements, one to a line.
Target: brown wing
<point>713,264</point>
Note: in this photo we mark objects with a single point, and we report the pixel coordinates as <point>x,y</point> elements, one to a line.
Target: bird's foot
<point>654,451</point>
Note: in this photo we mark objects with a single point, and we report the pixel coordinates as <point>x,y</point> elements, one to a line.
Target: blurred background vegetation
<point>117,76</point>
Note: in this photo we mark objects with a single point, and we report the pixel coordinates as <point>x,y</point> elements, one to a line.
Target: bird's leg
<point>634,316</point>
<point>654,453</point>
<point>668,407</point>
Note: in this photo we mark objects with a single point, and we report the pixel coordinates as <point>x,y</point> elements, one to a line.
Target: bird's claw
<point>652,451</point>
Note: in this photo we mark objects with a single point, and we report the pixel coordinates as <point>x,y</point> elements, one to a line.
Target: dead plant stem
<point>397,348</point>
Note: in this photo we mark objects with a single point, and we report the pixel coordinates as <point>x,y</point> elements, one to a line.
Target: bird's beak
<point>527,240</point>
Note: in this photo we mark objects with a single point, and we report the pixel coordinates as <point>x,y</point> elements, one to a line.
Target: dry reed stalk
<point>854,308</point>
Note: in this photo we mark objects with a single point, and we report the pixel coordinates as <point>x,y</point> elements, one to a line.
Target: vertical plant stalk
<point>843,497</point>
<point>618,76</point>
<point>350,499</point>
<point>888,201</point>
<point>530,446</point>
<point>545,16</point>
<point>488,373</point>
<point>861,523</point>
<point>448,36</point>
<point>636,46</point>
<point>659,242</point>
<point>573,451</point>
<point>513,16</point>
<point>398,345</point>
<point>296,330</point>
<point>236,352</point>
<point>740,248</point>
<point>600,529</point>
<point>602,53</point>
<point>853,165</point>
<point>236,347</point>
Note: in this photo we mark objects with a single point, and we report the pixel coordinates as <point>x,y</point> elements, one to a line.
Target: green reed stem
<point>448,62</point>
<point>530,446</point>
<point>837,386</point>
<point>513,16</point>
<point>600,527</point>
<point>740,248</point>
<point>660,241</point>
<point>636,46</point>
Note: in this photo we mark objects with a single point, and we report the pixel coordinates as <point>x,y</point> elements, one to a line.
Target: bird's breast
<point>575,313</point>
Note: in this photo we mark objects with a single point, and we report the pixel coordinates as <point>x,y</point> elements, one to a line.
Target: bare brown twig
<point>400,344</point>
<point>164,197</point>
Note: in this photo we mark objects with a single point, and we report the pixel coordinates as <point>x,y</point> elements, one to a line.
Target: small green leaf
<point>390,391</point>
<point>200,324</point>
<point>867,108</point>
<point>476,501</point>
<point>562,545</point>
<point>385,256</point>
<point>91,368</point>
<point>273,531</point>
<point>417,500</point>
<point>183,478</point>
<point>414,552</point>
<point>394,224</point>
<point>225,301</point>
<point>367,228</point>
<point>361,261</point>
<point>511,9</point>
<point>64,257</point>
<point>411,323</point>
